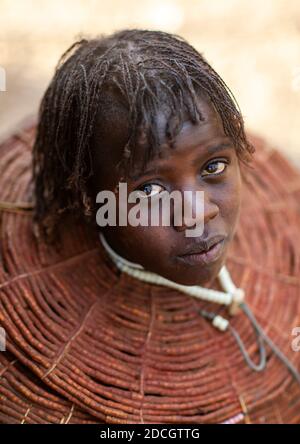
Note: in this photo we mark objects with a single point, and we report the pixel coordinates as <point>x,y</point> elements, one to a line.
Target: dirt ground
<point>254,45</point>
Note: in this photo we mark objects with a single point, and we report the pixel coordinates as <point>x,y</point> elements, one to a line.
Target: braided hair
<point>150,70</point>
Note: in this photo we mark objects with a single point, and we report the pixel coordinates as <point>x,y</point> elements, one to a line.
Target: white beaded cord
<point>238,294</point>
<point>232,297</point>
<point>116,257</point>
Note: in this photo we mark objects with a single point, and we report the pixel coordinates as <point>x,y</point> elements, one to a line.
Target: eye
<point>214,168</point>
<point>151,189</point>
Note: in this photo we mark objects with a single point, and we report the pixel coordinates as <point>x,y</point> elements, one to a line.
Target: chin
<point>201,280</point>
<point>195,275</point>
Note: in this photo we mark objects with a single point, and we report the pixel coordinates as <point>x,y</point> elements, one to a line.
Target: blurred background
<point>254,45</point>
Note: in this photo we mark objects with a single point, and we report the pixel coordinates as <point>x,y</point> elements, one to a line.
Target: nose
<point>196,208</point>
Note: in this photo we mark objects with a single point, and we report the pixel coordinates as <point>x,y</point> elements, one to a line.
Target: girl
<point>145,324</point>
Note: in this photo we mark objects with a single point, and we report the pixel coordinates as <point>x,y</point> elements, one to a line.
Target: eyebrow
<point>213,149</point>
<point>221,146</point>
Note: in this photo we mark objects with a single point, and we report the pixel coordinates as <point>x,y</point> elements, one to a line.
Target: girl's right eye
<point>151,189</point>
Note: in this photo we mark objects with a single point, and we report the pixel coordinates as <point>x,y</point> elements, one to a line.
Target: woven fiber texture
<point>88,344</point>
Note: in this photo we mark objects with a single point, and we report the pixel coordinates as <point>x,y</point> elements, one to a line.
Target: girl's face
<point>204,159</point>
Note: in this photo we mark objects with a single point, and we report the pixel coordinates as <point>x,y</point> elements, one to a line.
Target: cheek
<point>148,246</point>
<point>152,246</point>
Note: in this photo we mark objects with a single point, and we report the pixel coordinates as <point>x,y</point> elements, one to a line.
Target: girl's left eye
<point>151,189</point>
<point>214,168</point>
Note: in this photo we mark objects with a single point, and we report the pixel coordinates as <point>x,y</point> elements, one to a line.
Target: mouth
<point>205,255</point>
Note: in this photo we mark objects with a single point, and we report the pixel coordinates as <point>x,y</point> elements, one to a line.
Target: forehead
<point>113,131</point>
<point>193,140</point>
<point>192,134</point>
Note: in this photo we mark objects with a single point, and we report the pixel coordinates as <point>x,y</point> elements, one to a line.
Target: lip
<point>201,245</point>
<point>207,256</point>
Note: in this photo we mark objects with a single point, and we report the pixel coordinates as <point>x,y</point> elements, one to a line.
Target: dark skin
<point>204,159</point>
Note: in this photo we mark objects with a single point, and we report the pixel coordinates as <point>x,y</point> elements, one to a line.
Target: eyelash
<point>214,161</point>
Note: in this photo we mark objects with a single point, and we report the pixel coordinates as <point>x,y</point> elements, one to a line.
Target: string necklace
<point>232,297</point>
